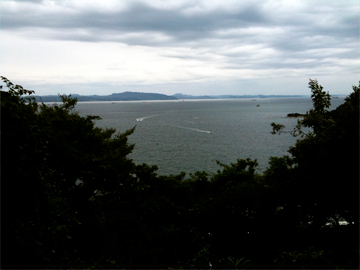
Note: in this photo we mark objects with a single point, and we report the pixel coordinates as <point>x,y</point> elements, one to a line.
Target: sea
<point>191,135</point>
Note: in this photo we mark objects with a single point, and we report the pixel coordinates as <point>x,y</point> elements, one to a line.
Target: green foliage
<point>239,263</point>
<point>276,128</point>
<point>16,90</point>
<point>321,99</point>
<point>332,143</point>
<point>75,200</point>
<point>321,177</point>
<point>53,147</point>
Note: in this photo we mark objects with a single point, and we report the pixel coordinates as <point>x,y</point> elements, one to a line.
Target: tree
<point>76,200</point>
<point>56,166</point>
<point>72,197</point>
<point>321,175</point>
<point>326,157</point>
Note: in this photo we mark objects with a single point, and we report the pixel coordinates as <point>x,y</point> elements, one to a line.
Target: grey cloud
<point>141,18</point>
<point>25,1</point>
<point>138,18</point>
<point>302,33</point>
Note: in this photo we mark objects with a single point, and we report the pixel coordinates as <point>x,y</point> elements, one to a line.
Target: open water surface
<point>191,135</point>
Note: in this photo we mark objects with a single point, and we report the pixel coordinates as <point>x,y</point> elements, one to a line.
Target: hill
<point>126,96</point>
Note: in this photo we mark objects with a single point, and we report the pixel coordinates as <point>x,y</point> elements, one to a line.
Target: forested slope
<point>71,197</point>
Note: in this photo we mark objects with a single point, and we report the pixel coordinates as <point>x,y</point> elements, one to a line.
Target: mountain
<point>126,96</point>
<point>134,96</point>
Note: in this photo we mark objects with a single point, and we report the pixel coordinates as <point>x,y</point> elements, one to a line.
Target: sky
<point>209,47</point>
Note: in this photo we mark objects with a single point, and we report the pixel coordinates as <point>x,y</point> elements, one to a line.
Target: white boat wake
<point>142,118</point>
<point>195,129</point>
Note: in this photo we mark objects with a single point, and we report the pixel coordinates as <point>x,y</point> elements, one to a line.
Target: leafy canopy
<point>76,200</point>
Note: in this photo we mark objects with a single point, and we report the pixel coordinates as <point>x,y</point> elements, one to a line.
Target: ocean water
<point>191,135</point>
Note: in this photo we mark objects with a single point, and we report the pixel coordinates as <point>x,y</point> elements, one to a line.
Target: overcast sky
<point>180,46</point>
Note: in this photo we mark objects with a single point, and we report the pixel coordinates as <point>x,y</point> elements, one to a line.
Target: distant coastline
<point>139,96</point>
<point>126,96</point>
<point>182,96</point>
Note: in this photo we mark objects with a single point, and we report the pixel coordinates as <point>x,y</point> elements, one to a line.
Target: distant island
<point>295,115</point>
<point>126,96</point>
<point>139,96</point>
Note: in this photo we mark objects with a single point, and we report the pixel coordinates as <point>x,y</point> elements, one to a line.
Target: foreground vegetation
<point>72,198</point>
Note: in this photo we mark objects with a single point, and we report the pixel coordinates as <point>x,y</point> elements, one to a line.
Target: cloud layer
<point>176,42</point>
